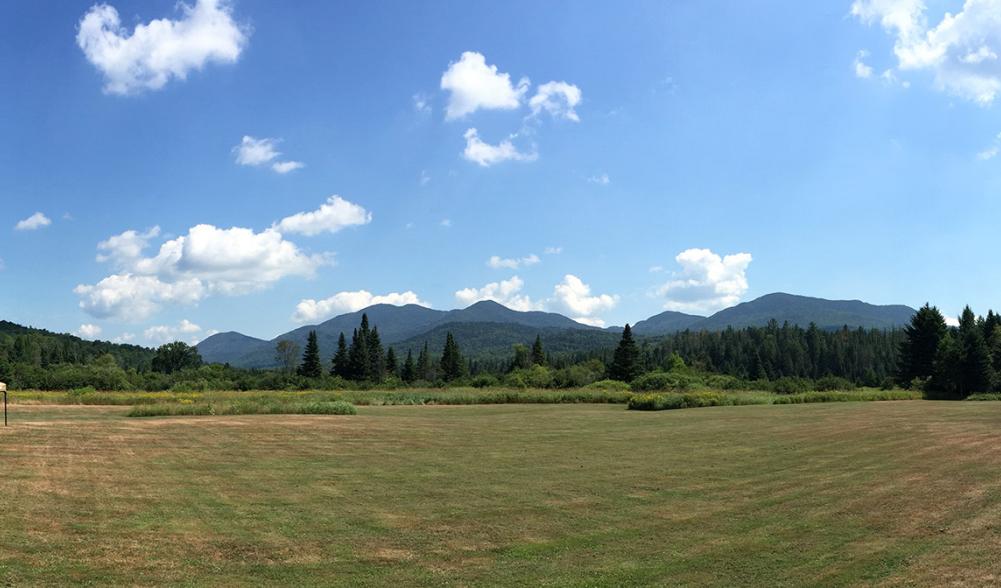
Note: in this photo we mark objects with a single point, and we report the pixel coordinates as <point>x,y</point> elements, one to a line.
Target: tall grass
<point>677,400</point>
<point>337,407</point>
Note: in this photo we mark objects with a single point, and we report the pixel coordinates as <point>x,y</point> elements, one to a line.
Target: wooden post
<point>3,388</point>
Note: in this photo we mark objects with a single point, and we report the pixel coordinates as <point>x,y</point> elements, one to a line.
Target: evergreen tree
<point>920,345</point>
<point>626,361</point>
<point>975,368</point>
<point>358,356</point>
<point>376,357</point>
<point>538,354</point>
<point>392,366</point>
<point>452,366</point>
<point>424,365</point>
<point>311,367</point>
<point>946,375</point>
<point>341,365</point>
<point>409,373</point>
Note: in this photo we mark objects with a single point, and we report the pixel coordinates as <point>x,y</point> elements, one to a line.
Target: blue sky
<point>680,155</point>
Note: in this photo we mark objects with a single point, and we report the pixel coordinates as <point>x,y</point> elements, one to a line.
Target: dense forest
<point>927,354</point>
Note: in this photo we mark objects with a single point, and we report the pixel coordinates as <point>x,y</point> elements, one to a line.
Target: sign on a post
<point>3,388</point>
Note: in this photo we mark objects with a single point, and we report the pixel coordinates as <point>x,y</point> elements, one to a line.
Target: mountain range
<point>488,329</point>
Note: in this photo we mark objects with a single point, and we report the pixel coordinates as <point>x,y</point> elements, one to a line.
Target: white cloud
<point>960,50</point>
<point>207,260</point>
<point>558,99</point>
<point>422,104</point>
<point>951,321</point>
<point>88,331</point>
<point>121,249</point>
<point>135,298</point>
<point>574,296</point>
<point>706,282</point>
<point>310,310</point>
<point>163,49</point>
<point>253,151</point>
<point>33,222</point>
<point>498,262</point>
<point>656,269</point>
<point>472,85</point>
<point>861,69</point>
<point>991,151</point>
<point>256,152</point>
<point>554,250</point>
<point>486,154</point>
<point>601,179</point>
<point>124,338</point>
<point>284,167</point>
<point>183,331</point>
<point>506,292</point>
<point>336,214</point>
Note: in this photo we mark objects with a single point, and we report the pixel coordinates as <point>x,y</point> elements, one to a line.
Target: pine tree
<point>538,354</point>
<point>920,345</point>
<point>341,365</point>
<point>424,365</point>
<point>946,375</point>
<point>358,362</point>
<point>409,373</point>
<point>311,366</point>
<point>391,364</point>
<point>625,363</point>
<point>376,357</point>
<point>451,359</point>
<point>975,368</point>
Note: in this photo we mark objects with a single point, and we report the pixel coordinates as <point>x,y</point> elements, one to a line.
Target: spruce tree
<point>451,359</point>
<point>920,345</point>
<point>358,362</point>
<point>538,353</point>
<point>625,363</point>
<point>341,366</point>
<point>409,373</point>
<point>424,365</point>
<point>376,357</point>
<point>391,364</point>
<point>976,371</point>
<point>311,366</point>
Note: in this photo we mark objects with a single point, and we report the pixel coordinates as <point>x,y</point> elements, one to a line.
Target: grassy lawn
<point>885,493</point>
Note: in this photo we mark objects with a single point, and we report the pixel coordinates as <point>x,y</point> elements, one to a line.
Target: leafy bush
<point>833,383</point>
<point>832,396</point>
<point>789,385</point>
<point>674,400</point>
<point>609,385</point>
<point>484,381</point>
<point>654,381</point>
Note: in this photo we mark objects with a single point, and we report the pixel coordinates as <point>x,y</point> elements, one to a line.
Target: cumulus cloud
<point>498,262</point>
<point>33,222</point>
<point>706,281</point>
<point>256,152</point>
<point>960,51</point>
<point>861,69</point>
<point>574,296</point>
<point>183,331</point>
<point>474,85</point>
<point>334,215</point>
<point>88,331</point>
<point>207,260</point>
<point>558,99</point>
<point>485,154</point>
<point>309,310</point>
<point>155,52</point>
<point>506,292</point>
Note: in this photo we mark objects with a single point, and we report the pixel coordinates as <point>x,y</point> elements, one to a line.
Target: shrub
<point>833,383</point>
<point>790,385</point>
<point>609,385</point>
<point>484,381</point>
<point>654,381</point>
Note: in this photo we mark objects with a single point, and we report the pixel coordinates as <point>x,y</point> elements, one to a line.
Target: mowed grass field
<point>869,493</point>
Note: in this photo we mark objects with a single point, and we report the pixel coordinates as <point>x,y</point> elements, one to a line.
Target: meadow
<point>832,494</point>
